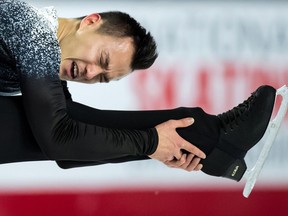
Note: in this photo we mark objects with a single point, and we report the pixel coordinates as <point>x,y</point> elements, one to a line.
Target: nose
<point>92,71</point>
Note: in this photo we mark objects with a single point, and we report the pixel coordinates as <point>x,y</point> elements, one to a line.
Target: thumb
<point>185,122</point>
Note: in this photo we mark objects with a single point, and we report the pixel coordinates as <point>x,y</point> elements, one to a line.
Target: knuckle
<point>178,163</point>
<point>178,146</point>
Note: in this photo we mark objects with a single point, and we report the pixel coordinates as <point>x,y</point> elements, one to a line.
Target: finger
<point>169,164</point>
<point>178,155</point>
<point>181,161</point>
<point>198,167</point>
<point>193,149</point>
<point>188,161</point>
<point>193,164</point>
<point>185,122</point>
<point>177,163</point>
<point>170,158</point>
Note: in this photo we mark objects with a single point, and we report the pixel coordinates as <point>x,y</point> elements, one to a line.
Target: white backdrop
<point>212,54</point>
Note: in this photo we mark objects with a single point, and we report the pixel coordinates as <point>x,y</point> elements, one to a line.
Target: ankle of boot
<point>221,164</point>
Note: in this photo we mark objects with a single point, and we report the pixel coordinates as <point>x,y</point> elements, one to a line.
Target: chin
<point>63,77</point>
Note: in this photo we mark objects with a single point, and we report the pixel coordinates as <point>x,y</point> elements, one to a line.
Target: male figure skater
<point>38,50</point>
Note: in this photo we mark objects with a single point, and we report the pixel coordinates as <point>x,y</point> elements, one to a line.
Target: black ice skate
<point>272,131</point>
<point>241,129</point>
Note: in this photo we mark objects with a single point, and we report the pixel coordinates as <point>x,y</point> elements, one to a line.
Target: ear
<point>90,19</point>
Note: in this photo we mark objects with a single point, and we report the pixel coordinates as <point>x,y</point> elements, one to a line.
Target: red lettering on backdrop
<point>203,94</point>
<point>158,89</point>
<point>230,79</point>
<point>260,75</point>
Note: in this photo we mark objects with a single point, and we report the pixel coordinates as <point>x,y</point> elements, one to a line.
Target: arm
<point>59,136</point>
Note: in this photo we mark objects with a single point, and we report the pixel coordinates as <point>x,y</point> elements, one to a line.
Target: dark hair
<point>119,24</point>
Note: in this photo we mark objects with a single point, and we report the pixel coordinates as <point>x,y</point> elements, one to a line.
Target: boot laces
<point>231,119</point>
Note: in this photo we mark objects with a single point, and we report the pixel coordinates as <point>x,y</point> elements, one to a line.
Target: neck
<point>66,27</point>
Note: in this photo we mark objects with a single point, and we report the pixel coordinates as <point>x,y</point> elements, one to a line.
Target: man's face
<point>90,57</point>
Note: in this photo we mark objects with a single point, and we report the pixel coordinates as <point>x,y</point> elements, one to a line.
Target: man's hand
<point>171,146</point>
<point>188,162</point>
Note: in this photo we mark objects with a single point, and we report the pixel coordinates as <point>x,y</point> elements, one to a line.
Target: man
<point>44,123</point>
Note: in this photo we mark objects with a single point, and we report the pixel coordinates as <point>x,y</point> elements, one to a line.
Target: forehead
<point>119,52</point>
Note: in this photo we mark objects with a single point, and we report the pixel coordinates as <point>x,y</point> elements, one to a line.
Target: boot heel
<point>236,170</point>
<point>222,164</point>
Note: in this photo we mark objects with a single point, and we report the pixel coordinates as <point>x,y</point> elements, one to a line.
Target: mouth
<point>74,70</point>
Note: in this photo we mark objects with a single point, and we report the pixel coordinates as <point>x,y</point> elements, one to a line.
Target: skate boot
<point>241,128</point>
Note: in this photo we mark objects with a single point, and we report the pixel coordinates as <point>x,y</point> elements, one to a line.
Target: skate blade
<point>271,131</point>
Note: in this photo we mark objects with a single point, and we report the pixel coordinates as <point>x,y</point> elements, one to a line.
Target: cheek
<point>84,51</point>
<point>89,56</point>
<point>90,48</point>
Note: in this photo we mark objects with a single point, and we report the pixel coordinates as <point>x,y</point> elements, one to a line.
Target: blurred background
<point>212,54</point>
